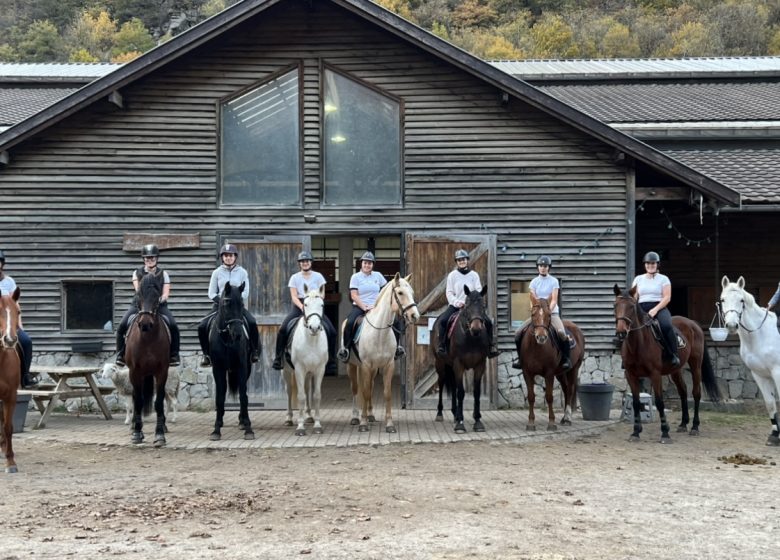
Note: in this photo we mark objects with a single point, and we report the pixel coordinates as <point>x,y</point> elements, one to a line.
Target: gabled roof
<point>242,11</point>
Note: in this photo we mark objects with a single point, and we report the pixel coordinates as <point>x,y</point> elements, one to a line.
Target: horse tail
<point>708,377</point>
<point>232,379</point>
<point>148,394</point>
<point>449,379</point>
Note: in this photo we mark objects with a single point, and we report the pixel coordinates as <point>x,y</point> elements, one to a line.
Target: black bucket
<point>595,400</point>
<point>20,412</point>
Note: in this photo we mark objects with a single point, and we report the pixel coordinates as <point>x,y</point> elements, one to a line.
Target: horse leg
<point>243,398</point>
<point>529,384</point>
<point>440,408</point>
<point>369,379</point>
<point>317,397</point>
<point>309,397</point>
<point>633,383</point>
<point>659,404</point>
<point>767,388</point>
<point>159,408</point>
<point>365,379</point>
<point>353,382</point>
<point>388,387</point>
<point>459,395</point>
<point>138,423</point>
<point>220,388</point>
<point>7,434</point>
<point>682,392</point>
<point>549,384</point>
<point>289,380</point>
<point>300,381</point>
<point>479,372</point>
<point>568,383</point>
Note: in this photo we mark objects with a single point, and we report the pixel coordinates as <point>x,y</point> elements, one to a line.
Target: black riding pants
<point>665,321</point>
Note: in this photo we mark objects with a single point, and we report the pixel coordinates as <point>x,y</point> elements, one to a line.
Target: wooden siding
<point>471,164</point>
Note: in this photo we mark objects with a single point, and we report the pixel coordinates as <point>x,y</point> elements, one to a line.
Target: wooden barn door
<point>430,258</point>
<point>270,261</point>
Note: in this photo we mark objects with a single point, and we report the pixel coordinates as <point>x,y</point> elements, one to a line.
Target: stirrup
<point>493,352</point>
<point>254,357</point>
<point>343,355</point>
<point>175,361</point>
<point>399,352</point>
<point>28,381</point>
<point>205,361</point>
<point>566,364</point>
<point>120,360</point>
<point>674,360</point>
<point>277,363</point>
<point>517,365</point>
<point>441,351</point>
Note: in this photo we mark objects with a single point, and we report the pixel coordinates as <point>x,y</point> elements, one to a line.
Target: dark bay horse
<point>147,356</point>
<point>468,349</point>
<point>10,374</point>
<point>229,350</point>
<point>642,357</point>
<point>541,356</point>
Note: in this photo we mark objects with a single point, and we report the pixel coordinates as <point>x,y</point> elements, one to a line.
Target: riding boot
<point>331,368</point>
<point>493,351</point>
<point>175,342</point>
<point>565,354</point>
<point>281,345</point>
<point>28,381</point>
<point>441,349</point>
<point>120,351</point>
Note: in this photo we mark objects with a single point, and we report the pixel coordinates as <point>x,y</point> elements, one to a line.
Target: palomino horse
<point>147,357</point>
<point>541,356</point>
<point>759,344</point>
<point>10,374</point>
<point>468,349</point>
<point>642,357</point>
<point>229,350</point>
<point>308,355</point>
<point>375,350</point>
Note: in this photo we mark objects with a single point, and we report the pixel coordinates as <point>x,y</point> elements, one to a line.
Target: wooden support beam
<point>134,241</point>
<point>662,193</point>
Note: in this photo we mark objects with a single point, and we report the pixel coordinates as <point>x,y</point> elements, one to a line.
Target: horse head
<point>313,306</point>
<point>9,318</point>
<point>540,319</point>
<point>473,310</point>
<point>148,301</point>
<point>231,313</point>
<point>403,299</point>
<point>626,312</point>
<point>733,301</point>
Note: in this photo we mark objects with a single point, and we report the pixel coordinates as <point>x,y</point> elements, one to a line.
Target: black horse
<point>468,349</point>
<point>229,351</point>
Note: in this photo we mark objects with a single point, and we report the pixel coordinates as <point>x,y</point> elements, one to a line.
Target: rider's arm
<point>295,299</point>
<point>666,297</point>
<point>214,285</point>
<point>166,292</point>
<point>356,299</point>
<point>775,298</point>
<point>553,298</point>
<point>136,282</point>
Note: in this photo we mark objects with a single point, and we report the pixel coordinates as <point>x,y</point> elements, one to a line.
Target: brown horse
<point>147,357</point>
<point>541,356</point>
<point>642,357</point>
<point>10,374</point>
<point>468,349</point>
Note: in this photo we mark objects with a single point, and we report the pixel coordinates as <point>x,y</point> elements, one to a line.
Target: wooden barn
<point>331,125</point>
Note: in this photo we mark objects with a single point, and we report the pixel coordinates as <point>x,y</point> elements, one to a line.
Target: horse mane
<point>386,289</point>
<point>150,288</point>
<point>747,296</point>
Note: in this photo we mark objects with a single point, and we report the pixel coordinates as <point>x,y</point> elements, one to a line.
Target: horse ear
<point>534,299</point>
<point>241,287</point>
<point>466,290</point>
<point>724,282</point>
<point>396,277</point>
<point>616,289</point>
<point>632,291</point>
<point>305,288</point>
<point>408,278</point>
<point>484,291</point>
<point>17,293</point>
<point>322,291</point>
<point>741,283</point>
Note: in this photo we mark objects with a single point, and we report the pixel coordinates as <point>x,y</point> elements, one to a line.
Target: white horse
<point>309,355</point>
<point>759,344</point>
<point>376,350</point>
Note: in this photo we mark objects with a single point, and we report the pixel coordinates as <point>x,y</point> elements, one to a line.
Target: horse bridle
<point>547,327</point>
<point>307,316</point>
<point>739,318</point>
<point>401,310</point>
<point>226,328</point>
<point>628,320</point>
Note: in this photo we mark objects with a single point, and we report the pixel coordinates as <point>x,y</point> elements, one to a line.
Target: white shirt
<point>367,286</point>
<point>7,286</point>
<point>456,296</point>
<point>313,282</point>
<point>544,286</point>
<point>651,289</point>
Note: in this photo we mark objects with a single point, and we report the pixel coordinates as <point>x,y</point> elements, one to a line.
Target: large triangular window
<point>260,144</point>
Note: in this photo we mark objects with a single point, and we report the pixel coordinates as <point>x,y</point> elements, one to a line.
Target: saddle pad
<point>451,322</point>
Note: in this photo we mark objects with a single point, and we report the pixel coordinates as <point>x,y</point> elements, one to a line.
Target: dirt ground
<point>583,497</point>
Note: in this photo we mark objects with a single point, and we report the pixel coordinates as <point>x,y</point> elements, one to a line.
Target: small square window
<point>520,303</point>
<point>88,305</point>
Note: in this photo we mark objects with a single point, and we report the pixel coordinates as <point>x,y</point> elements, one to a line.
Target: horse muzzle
<point>732,326</point>
<point>9,341</point>
<point>541,338</point>
<point>621,335</point>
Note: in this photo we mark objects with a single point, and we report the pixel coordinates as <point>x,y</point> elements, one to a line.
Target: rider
<point>150,254</point>
<point>228,271</point>
<point>773,304</point>
<point>546,286</point>
<point>461,276</point>
<point>8,287</point>
<point>364,287</point>
<point>313,281</point>
<point>654,291</point>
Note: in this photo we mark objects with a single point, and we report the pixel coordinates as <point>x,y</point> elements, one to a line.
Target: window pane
<point>260,155</point>
<point>361,144</point>
<point>88,305</point>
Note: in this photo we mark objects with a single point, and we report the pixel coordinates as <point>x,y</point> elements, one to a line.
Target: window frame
<point>64,305</point>
<point>325,66</point>
<point>299,203</point>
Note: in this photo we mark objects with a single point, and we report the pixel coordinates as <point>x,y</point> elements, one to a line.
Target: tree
<point>93,33</point>
<point>8,53</point>
<point>741,27</point>
<point>132,37</point>
<point>473,13</point>
<point>400,7</point>
<point>40,43</point>
<point>552,37</point>
<point>692,39</point>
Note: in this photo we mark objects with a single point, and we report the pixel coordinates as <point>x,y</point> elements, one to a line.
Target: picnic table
<point>48,396</point>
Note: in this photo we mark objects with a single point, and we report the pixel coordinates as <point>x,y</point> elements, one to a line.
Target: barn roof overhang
<point>407,31</point>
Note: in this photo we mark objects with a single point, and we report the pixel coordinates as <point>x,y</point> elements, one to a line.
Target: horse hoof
<point>460,428</point>
<point>362,428</point>
<point>552,428</point>
<point>309,420</point>
<point>318,431</point>
<point>666,440</point>
<point>159,442</point>
<point>773,441</point>
<point>249,434</point>
<point>391,429</point>
<point>288,423</point>
<point>682,429</point>
<point>138,437</point>
<point>634,438</point>
<point>440,418</point>
<point>165,428</point>
<point>565,422</point>
<point>242,425</point>
<point>479,426</point>
<point>372,418</point>
<point>300,432</point>
<point>530,428</point>
<point>354,422</point>
<point>215,436</point>
<point>694,432</point>
<point>11,470</point>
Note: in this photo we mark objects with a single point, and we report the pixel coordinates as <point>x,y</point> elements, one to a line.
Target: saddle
<point>658,335</point>
<point>357,329</point>
<point>288,332</point>
<point>165,323</point>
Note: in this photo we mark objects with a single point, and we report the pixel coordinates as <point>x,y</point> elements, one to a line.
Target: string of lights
<point>680,235</point>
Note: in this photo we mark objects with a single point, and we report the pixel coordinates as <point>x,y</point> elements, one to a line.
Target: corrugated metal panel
<point>50,71</point>
<point>471,165</point>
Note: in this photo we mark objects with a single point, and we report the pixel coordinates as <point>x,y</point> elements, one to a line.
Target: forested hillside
<point>120,30</point>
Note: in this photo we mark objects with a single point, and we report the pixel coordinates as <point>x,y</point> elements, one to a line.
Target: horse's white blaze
<point>759,339</point>
<point>7,334</point>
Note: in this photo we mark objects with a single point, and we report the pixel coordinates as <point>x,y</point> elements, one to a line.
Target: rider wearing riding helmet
<point>150,255</point>
<point>364,288</point>
<point>546,286</point>
<point>459,277</point>
<point>229,271</point>
<point>654,292</point>
<point>313,280</point>
<point>8,287</point>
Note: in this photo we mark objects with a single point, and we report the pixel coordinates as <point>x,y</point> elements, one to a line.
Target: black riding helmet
<point>305,256</point>
<point>368,256</point>
<point>651,257</point>
<point>228,249</point>
<point>544,260</point>
<point>150,251</point>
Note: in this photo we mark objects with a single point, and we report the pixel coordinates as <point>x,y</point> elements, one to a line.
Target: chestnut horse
<point>468,349</point>
<point>147,357</point>
<point>642,357</point>
<point>541,356</point>
<point>10,374</point>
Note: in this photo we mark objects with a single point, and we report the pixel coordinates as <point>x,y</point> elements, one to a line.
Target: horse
<point>759,344</point>
<point>10,374</point>
<point>229,350</point>
<point>308,357</point>
<point>643,357</point>
<point>147,357</point>
<point>468,349</point>
<point>541,356</point>
<point>375,350</point>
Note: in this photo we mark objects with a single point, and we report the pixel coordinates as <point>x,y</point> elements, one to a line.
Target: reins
<point>401,311</point>
<point>739,318</point>
<point>628,319</point>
